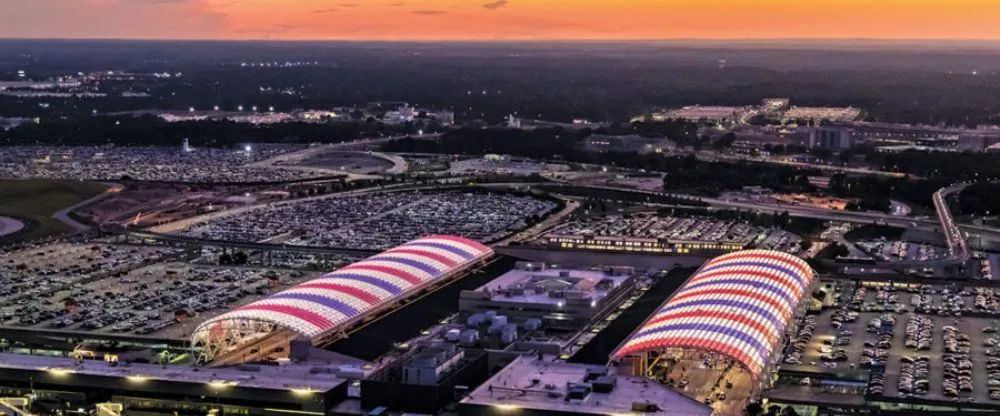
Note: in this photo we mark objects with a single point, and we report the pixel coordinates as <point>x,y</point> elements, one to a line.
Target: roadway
<point>958,247</point>
<point>862,217</point>
<point>63,214</point>
<point>246,245</point>
<point>710,156</point>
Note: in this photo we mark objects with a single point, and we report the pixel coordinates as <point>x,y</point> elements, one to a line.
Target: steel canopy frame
<point>737,305</point>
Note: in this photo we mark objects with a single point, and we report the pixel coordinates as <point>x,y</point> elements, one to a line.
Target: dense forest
<point>951,166</point>
<point>980,199</point>
<point>687,174</point>
<point>681,173</point>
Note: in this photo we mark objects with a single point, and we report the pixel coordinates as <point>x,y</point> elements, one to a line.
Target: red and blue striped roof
<point>737,305</point>
<point>321,305</point>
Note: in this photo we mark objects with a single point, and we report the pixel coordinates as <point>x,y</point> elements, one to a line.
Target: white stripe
<point>366,287</point>
<point>437,265</point>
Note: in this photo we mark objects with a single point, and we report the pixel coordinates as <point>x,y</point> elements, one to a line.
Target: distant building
<point>707,114</point>
<point>7,123</point>
<point>907,147</point>
<point>530,124</point>
<point>774,104</point>
<point>831,137</point>
<point>600,143</point>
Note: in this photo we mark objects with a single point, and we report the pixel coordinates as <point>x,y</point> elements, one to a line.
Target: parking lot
<point>284,259</point>
<point>931,342</point>
<point>35,272</point>
<point>902,250</point>
<point>165,300</point>
<point>170,164</point>
<point>651,225</point>
<point>379,221</point>
<point>354,162</point>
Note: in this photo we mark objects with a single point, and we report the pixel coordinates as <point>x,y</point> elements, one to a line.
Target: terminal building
<point>557,297</point>
<point>720,333</point>
<point>707,350</point>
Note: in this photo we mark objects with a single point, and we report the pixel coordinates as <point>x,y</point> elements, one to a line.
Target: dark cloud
<point>397,4</point>
<point>429,12</point>
<point>323,11</point>
<point>499,4</point>
<point>348,5</point>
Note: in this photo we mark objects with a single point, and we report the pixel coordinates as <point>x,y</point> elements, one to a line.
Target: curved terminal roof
<point>737,305</point>
<point>321,305</point>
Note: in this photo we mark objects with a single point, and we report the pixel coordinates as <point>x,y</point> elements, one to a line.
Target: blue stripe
<point>795,276</point>
<point>737,281</point>
<point>409,262</point>
<point>374,281</point>
<point>322,300</point>
<point>465,255</point>
<point>775,320</point>
<point>735,333</point>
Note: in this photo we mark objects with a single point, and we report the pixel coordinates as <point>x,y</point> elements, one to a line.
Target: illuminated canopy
<point>737,305</point>
<point>326,304</point>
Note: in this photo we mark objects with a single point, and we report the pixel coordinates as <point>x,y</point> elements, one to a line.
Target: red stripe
<point>782,278</point>
<point>697,343</point>
<point>743,319</point>
<point>409,277</point>
<point>471,244</point>
<point>739,292</point>
<point>349,290</point>
<point>762,255</point>
<point>424,253</point>
<point>303,314</point>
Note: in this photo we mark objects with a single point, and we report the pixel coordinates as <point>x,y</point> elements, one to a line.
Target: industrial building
<point>555,296</point>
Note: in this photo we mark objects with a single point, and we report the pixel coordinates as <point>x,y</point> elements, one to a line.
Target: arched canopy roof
<point>737,305</point>
<point>321,305</point>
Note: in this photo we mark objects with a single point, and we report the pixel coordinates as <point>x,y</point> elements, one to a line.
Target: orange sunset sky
<point>500,19</point>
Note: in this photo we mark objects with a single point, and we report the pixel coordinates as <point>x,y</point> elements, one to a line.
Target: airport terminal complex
<point>510,346</point>
<point>494,298</point>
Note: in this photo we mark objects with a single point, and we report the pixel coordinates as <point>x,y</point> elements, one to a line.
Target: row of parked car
<point>914,376</point>
<point>919,331</point>
<point>798,346</point>
<point>956,362</point>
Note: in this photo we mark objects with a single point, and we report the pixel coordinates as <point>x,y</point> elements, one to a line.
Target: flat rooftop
<point>290,376</point>
<point>705,111</point>
<point>546,280</point>
<point>533,384</point>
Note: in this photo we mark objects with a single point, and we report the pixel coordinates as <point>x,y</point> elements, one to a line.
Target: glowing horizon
<point>503,20</point>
